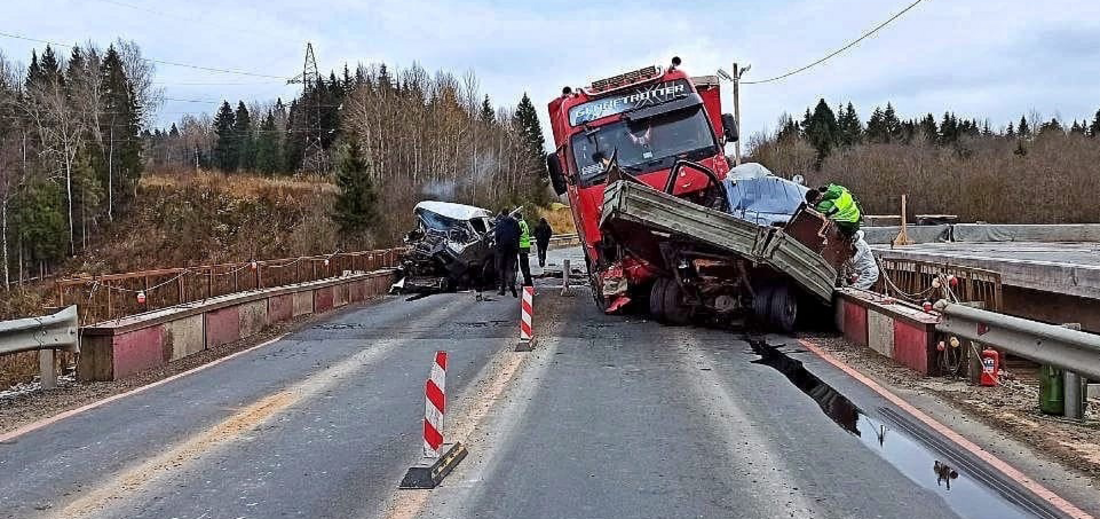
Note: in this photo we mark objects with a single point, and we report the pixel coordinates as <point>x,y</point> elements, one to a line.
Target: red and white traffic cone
<point>434,405</point>
<point>527,311</point>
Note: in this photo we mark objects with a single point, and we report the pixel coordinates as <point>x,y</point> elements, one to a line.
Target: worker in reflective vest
<point>524,250</point>
<point>836,202</point>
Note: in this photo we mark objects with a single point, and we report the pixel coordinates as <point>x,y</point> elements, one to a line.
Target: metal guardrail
<point>42,334</point>
<point>1058,346</point>
<point>1077,353</point>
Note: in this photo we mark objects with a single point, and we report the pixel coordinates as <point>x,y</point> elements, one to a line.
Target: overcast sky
<point>988,58</point>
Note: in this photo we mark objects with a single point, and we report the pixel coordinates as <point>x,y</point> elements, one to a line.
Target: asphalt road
<point>609,417</point>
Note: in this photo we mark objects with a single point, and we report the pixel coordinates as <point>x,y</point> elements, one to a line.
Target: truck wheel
<point>657,299</point>
<point>784,309</point>
<point>761,304</point>
<point>597,292</point>
<point>676,312</point>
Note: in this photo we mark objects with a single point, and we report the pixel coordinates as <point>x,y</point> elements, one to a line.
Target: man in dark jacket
<point>543,232</point>
<point>506,233</point>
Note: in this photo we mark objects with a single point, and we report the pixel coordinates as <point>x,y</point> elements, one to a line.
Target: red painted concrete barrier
<point>115,349</point>
<point>280,308</point>
<point>895,329</point>
<point>322,299</point>
<point>223,326</point>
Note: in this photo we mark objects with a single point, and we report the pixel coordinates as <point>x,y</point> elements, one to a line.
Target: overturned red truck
<point>641,157</point>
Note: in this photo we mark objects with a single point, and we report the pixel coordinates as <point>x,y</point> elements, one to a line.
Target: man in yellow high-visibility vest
<point>836,202</point>
<point>524,250</point>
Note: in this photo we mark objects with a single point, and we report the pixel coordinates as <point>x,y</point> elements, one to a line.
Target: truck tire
<point>762,304</point>
<point>783,308</point>
<point>657,299</point>
<point>675,311</point>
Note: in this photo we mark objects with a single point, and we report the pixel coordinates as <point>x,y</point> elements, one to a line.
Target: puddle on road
<point>967,493</point>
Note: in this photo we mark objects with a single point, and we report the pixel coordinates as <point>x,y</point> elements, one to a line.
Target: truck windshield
<point>645,145</point>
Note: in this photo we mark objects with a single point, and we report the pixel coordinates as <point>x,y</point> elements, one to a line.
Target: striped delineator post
<point>435,403</point>
<point>527,311</point>
<point>439,458</point>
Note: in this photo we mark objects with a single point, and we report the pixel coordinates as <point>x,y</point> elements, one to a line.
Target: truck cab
<point>640,123</point>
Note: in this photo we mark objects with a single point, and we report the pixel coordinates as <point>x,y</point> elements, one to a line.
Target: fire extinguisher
<point>991,363</point>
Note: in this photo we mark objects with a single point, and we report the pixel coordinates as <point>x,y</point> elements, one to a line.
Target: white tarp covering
<point>981,233</point>
<point>453,211</point>
<point>917,234</point>
<point>748,170</point>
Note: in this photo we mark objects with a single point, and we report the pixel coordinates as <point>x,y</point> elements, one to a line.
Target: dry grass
<point>560,218</point>
<point>980,180</point>
<point>243,185</point>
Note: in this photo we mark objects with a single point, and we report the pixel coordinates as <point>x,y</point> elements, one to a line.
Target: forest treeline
<point>78,132</point>
<point>70,149</point>
<point>1032,170</point>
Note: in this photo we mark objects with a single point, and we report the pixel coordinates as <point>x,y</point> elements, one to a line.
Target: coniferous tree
<point>1023,128</point>
<point>1077,128</point>
<point>823,132</point>
<point>877,131</point>
<point>949,129</point>
<point>851,129</point>
<point>891,123</point>
<point>788,129</point>
<point>268,152</point>
<point>38,221</point>
<point>527,122</point>
<point>1051,127</point>
<point>121,129</point>
<point>51,68</point>
<point>487,113</point>
<point>1010,131</point>
<point>242,131</point>
<point>356,207</point>
<point>1094,128</point>
<point>928,128</point>
<point>225,144</point>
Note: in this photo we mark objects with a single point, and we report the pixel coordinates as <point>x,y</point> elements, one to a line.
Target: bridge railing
<point>913,280</point>
<point>113,296</point>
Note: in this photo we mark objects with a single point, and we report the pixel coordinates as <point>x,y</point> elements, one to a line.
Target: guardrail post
<point>1074,389</point>
<point>47,371</point>
<point>1074,385</point>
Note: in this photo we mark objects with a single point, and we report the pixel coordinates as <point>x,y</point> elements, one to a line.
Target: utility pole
<point>737,72</point>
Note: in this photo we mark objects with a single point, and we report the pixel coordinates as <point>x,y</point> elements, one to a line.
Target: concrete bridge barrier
<point>118,348</point>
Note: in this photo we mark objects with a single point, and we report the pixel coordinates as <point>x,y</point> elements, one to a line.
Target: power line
<point>196,19</point>
<point>157,61</point>
<point>838,51</point>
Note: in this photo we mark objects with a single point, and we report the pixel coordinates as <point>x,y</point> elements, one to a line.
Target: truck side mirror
<point>729,128</point>
<point>557,178</point>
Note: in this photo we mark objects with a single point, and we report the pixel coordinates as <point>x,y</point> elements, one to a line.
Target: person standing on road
<point>524,250</point>
<point>543,232</point>
<point>836,202</point>
<point>506,234</point>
